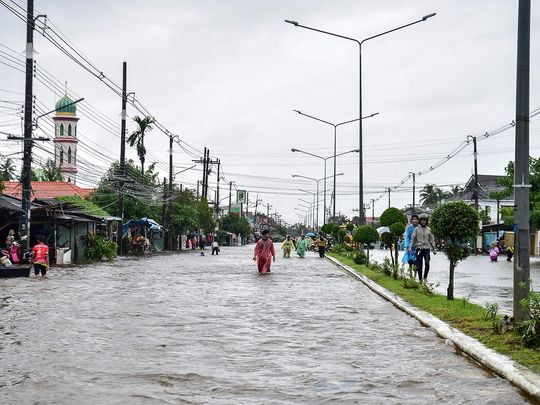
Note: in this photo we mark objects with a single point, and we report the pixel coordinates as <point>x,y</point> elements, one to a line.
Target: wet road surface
<point>183,328</point>
<point>478,278</point>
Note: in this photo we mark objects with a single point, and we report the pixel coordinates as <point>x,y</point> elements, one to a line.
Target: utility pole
<point>206,162</point>
<point>122,145</point>
<point>205,175</point>
<point>230,196</point>
<point>216,205</point>
<point>170,193</point>
<point>247,204</point>
<point>521,176</point>
<point>476,185</point>
<point>388,196</point>
<point>373,211</point>
<point>27,141</point>
<point>198,184</point>
<point>413,191</point>
<point>164,206</point>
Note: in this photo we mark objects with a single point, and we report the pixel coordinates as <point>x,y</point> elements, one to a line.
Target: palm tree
<point>430,195</point>
<point>455,191</point>
<point>137,137</point>
<point>7,170</point>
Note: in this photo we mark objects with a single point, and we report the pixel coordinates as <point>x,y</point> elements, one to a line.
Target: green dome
<point>61,105</point>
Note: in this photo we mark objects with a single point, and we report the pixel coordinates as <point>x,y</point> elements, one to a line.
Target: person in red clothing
<point>40,257</point>
<point>264,253</point>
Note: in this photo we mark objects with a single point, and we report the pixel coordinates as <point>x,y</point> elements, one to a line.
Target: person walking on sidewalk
<point>321,244</point>
<point>410,258</point>
<point>423,240</point>
<point>287,246</point>
<point>40,257</point>
<point>264,252</point>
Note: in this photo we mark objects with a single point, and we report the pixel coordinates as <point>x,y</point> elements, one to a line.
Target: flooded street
<point>184,328</point>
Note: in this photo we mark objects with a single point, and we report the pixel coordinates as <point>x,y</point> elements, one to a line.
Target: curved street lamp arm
<point>304,177</point>
<point>308,153</point>
<point>296,24</point>
<point>315,118</point>
<point>424,18</point>
<point>349,151</point>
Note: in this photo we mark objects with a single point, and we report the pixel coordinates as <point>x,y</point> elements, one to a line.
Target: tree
<point>233,223</point>
<point>397,229</point>
<point>142,194</point>
<point>205,216</point>
<point>431,195</point>
<point>137,137</point>
<point>392,218</point>
<point>328,228</point>
<point>182,213</point>
<point>455,222</point>
<point>455,191</point>
<point>7,170</point>
<point>51,172</point>
<point>366,235</point>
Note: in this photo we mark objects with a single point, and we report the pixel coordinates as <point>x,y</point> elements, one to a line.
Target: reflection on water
<point>186,328</point>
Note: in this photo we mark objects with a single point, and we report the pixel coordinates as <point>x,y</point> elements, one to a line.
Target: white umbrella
<point>383,229</point>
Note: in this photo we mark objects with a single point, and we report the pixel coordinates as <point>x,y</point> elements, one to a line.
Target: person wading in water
<point>264,253</point>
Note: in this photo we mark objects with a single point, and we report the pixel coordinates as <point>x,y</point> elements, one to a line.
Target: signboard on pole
<point>241,196</point>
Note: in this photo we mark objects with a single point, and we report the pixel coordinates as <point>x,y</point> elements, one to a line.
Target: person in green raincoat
<point>287,246</point>
<point>301,246</point>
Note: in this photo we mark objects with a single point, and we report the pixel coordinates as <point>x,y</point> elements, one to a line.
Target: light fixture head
<point>424,18</point>
<point>294,150</point>
<point>295,23</point>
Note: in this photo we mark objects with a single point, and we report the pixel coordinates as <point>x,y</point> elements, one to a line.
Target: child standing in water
<point>264,252</point>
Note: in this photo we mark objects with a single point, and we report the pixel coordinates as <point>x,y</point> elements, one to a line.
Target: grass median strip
<point>469,318</point>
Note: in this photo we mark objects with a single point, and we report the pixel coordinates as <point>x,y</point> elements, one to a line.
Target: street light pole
<point>360,42</point>
<point>325,177</point>
<point>335,146</point>
<point>317,181</point>
<point>413,190</point>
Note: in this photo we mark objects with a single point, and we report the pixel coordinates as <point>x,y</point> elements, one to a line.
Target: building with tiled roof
<point>46,189</point>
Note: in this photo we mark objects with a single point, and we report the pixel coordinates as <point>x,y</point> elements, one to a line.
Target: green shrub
<point>359,257</point>
<point>99,248</point>
<point>530,329</point>
<point>491,311</point>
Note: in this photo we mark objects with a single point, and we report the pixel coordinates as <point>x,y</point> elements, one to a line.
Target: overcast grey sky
<point>227,75</point>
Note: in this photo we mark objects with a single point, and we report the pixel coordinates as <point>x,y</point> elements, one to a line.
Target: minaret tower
<point>65,138</point>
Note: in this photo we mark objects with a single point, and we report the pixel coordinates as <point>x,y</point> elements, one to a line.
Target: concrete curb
<point>500,364</point>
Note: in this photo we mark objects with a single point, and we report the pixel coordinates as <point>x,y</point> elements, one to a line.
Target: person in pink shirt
<point>264,252</point>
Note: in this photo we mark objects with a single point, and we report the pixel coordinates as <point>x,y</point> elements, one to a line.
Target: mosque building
<point>65,138</point>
